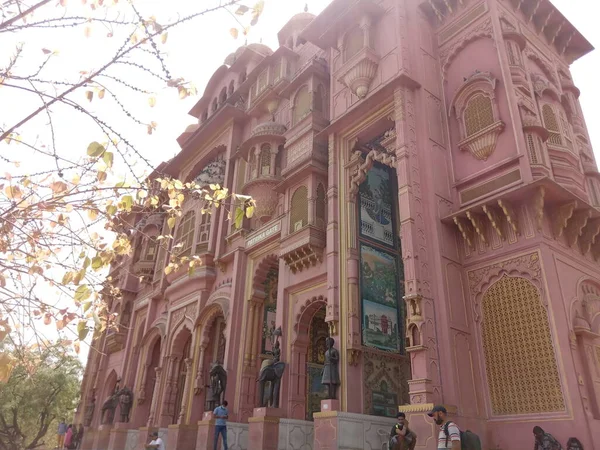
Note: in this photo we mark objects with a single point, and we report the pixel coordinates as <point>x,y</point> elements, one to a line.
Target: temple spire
<point>306,7</point>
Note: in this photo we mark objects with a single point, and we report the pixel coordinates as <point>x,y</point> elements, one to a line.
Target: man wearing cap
<point>156,442</point>
<point>449,435</point>
<point>401,438</point>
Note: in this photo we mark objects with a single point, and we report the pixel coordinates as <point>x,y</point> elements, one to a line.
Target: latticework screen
<point>150,249</point>
<point>299,209</point>
<point>551,125</point>
<point>301,104</point>
<point>479,114</point>
<point>185,234</point>
<point>533,157</point>
<point>521,367</point>
<point>265,159</point>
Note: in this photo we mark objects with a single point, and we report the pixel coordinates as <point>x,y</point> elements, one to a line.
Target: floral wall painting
<point>379,276</point>
<point>376,206</point>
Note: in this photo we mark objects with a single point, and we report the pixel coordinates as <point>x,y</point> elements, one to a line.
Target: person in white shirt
<point>156,442</point>
<point>449,434</point>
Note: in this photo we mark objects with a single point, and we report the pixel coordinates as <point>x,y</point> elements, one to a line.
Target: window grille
<point>185,235</point>
<point>551,125</point>
<point>479,114</point>
<point>299,209</point>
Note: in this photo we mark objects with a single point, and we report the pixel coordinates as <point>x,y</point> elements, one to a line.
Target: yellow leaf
<point>82,293</point>
<point>108,158</point>
<point>2,281</point>
<point>76,179</point>
<point>171,222</point>
<point>101,176</point>
<point>89,95</point>
<point>250,211</point>
<point>168,270</point>
<point>127,202</point>
<point>92,214</point>
<point>76,346</point>
<point>242,9</point>
<point>13,192</point>
<point>88,31</point>
<point>101,93</point>
<point>163,37</point>
<point>234,33</point>
<point>183,93</point>
<point>58,187</point>
<point>95,149</point>
<point>152,101</point>
<point>7,363</point>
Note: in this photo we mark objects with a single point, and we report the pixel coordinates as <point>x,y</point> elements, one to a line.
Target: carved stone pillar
<point>142,390</point>
<point>248,371</point>
<point>166,413</point>
<point>155,395</point>
<point>423,384</point>
<point>332,249</point>
<point>199,382</point>
<point>186,390</point>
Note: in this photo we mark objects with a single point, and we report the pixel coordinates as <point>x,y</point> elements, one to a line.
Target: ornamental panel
<point>521,367</point>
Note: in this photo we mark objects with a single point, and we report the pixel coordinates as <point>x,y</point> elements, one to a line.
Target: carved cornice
<point>589,234</point>
<point>576,225</point>
<point>561,216</point>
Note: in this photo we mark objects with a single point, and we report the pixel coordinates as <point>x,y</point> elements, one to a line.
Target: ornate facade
<point>426,194</point>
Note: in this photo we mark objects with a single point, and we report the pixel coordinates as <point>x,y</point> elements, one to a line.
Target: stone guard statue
<point>125,401</point>
<point>271,372</point>
<point>331,372</point>
<point>218,384</point>
<point>108,409</point>
<point>89,410</point>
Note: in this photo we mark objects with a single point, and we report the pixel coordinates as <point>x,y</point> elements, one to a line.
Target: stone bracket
<point>495,218</point>
<point>466,230</point>
<point>537,204</point>
<point>510,214</point>
<point>589,234</point>
<point>561,218</point>
<point>576,225</point>
<point>478,223</point>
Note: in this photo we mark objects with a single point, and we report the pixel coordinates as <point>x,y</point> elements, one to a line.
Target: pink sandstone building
<point>426,195</point>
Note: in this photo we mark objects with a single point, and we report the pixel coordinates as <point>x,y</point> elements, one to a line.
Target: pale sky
<point>195,51</point>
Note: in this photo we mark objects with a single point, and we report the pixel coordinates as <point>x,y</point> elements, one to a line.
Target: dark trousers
<point>222,430</point>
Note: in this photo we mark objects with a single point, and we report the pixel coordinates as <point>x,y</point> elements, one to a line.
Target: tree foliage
<point>65,212</point>
<point>42,389</point>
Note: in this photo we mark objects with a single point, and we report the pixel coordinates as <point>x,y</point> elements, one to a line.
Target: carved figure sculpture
<point>331,373</point>
<point>271,372</point>
<point>218,384</point>
<point>109,407</point>
<point>125,401</point>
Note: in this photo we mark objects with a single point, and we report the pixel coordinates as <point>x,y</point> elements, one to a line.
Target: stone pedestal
<point>102,438</point>
<point>118,436</point>
<point>144,436</point>
<point>263,433</point>
<point>326,426</point>
<point>206,432</point>
<point>183,436</point>
<point>89,436</point>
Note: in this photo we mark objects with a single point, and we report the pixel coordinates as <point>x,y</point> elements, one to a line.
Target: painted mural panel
<point>376,195</point>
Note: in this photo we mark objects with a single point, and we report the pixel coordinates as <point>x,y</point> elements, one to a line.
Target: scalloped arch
<point>269,262</point>
<point>306,313</point>
<point>483,31</point>
<point>206,319</point>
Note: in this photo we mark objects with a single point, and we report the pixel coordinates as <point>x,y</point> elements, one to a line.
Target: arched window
<point>299,209</point>
<point>277,70</point>
<point>321,206</point>
<point>231,87</point>
<point>215,105</point>
<point>353,43</point>
<point>205,115</point>
<point>223,96</point>
<point>479,114</point>
<point>203,231</point>
<point>243,76</point>
<point>185,234</point>
<point>522,373</point>
<point>301,105</point>
<point>265,159</point>
<point>551,124</point>
<point>252,164</point>
<point>125,317</point>
<point>151,246</point>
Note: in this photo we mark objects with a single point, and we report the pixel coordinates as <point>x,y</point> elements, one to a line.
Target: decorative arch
<point>231,87</point>
<point>546,69</point>
<point>262,269</point>
<point>525,266</point>
<point>180,335</point>
<point>206,319</point>
<point>306,312</point>
<point>484,30</point>
<point>223,95</point>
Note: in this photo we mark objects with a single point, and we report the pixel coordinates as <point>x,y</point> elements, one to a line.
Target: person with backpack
<point>450,437</point>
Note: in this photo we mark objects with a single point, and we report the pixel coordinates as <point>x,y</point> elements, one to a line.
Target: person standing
<point>449,434</point>
<point>79,436</point>
<point>69,437</point>
<point>221,415</point>
<point>545,441</point>
<point>156,442</point>
<point>60,438</point>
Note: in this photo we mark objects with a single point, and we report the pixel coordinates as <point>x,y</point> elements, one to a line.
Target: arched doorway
<point>147,384</point>
<point>211,351</point>
<point>180,379</point>
<point>315,358</point>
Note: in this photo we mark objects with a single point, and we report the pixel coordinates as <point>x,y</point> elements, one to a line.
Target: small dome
<point>295,25</point>
<point>260,48</point>
<point>191,128</point>
<point>303,17</point>
<point>230,59</point>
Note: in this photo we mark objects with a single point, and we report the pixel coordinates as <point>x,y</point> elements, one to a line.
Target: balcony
<point>115,341</point>
<point>303,248</point>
